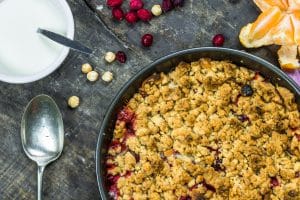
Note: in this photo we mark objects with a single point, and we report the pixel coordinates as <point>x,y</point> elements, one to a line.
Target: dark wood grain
<point>73,175</point>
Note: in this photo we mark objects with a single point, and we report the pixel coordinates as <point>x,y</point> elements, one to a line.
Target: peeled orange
<point>279,23</point>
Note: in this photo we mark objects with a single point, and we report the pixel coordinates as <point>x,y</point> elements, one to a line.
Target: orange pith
<point>279,23</point>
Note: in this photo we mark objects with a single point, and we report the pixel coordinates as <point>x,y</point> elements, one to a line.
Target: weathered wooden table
<point>73,175</point>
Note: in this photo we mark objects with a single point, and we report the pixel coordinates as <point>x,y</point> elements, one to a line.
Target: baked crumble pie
<point>206,130</point>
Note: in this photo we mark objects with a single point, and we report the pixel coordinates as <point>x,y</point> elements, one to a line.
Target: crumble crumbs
<point>194,136</point>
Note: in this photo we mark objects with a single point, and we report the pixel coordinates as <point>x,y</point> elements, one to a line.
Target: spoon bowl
<point>42,133</point>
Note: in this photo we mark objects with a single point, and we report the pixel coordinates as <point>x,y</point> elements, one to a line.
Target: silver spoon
<point>42,134</point>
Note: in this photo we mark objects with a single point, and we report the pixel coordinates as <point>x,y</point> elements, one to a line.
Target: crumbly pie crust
<point>207,130</point>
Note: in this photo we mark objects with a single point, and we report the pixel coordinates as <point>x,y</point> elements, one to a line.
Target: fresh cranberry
<point>117,14</point>
<point>147,40</point>
<point>131,17</point>
<point>136,4</point>
<point>167,5</point>
<point>177,3</point>
<point>298,137</point>
<point>114,3</point>
<point>121,56</point>
<point>274,182</point>
<point>218,40</point>
<point>144,14</point>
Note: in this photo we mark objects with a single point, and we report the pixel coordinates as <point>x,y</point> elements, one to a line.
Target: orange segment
<point>279,23</point>
<point>283,33</point>
<point>265,22</point>
<point>246,42</point>
<point>287,57</point>
<point>294,5</point>
<point>296,26</point>
<point>266,4</point>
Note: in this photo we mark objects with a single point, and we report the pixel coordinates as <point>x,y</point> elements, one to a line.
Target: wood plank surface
<point>73,175</point>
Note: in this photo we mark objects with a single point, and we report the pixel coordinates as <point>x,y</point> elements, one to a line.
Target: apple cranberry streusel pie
<point>207,130</point>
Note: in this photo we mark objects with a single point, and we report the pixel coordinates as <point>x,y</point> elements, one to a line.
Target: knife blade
<point>75,45</point>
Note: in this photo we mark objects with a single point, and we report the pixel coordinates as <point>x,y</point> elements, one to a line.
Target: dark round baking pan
<point>166,64</point>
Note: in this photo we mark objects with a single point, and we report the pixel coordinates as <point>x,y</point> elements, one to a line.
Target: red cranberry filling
<point>274,182</point>
<point>128,173</point>
<point>113,189</point>
<point>237,99</point>
<point>298,137</point>
<point>209,187</point>
<point>193,187</point>
<point>136,156</point>
<point>114,144</point>
<point>126,115</point>
<point>212,149</point>
<point>110,166</point>
<point>256,76</point>
<point>185,198</point>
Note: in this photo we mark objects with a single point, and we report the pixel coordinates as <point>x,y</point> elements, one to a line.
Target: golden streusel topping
<point>207,130</point>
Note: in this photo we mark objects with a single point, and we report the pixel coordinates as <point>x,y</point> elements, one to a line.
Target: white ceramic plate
<point>13,78</point>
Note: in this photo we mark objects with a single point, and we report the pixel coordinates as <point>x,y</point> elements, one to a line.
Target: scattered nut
<point>92,76</point>
<point>156,10</point>
<point>110,57</point>
<point>73,101</point>
<point>86,68</point>
<point>107,76</point>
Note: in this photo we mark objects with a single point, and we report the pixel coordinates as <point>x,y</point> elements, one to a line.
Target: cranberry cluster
<point>137,12</point>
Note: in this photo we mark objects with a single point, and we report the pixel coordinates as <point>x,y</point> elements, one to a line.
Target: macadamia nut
<point>110,57</point>
<point>92,76</point>
<point>73,101</point>
<point>107,76</point>
<point>156,10</point>
<point>86,68</point>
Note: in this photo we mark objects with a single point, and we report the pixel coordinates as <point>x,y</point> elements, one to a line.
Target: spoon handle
<point>40,181</point>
